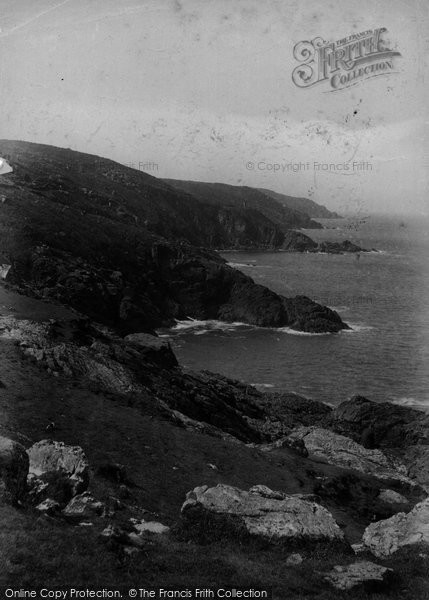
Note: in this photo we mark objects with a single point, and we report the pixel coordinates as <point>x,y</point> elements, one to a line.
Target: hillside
<point>109,448</point>
<point>149,435</point>
<point>304,205</point>
<point>125,248</point>
<point>243,197</point>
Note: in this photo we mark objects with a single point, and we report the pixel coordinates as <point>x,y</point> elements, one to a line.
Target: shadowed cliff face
<point>305,205</point>
<point>126,249</point>
<point>243,197</point>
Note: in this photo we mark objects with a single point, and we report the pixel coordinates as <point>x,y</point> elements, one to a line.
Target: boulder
<point>293,560</point>
<point>391,497</point>
<point>81,507</point>
<point>386,537</point>
<point>48,506</point>
<point>4,270</point>
<point>366,573</point>
<point>57,470</point>
<point>142,526</point>
<point>260,512</point>
<point>13,470</point>
<point>342,451</point>
<point>116,538</point>
<point>359,548</point>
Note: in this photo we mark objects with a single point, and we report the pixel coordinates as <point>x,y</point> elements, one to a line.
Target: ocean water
<point>383,296</point>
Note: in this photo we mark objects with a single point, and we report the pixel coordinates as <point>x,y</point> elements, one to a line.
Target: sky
<point>203,90</point>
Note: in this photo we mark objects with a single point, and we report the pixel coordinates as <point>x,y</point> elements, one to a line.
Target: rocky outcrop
<point>387,537</point>
<point>56,471</point>
<point>341,451</point>
<point>380,424</point>
<point>305,315</point>
<point>13,471</point>
<point>363,574</point>
<point>260,512</point>
<point>401,429</point>
<point>339,247</point>
<point>178,282</point>
<point>286,411</point>
<point>296,241</point>
<point>203,402</point>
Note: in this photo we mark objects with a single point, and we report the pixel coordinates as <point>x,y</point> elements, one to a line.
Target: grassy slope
<point>61,182</point>
<point>164,462</point>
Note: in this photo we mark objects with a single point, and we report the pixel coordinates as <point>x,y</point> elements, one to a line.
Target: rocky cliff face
<point>125,249</point>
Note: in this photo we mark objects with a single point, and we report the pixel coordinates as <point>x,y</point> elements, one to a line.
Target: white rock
<point>358,573</point>
<point>392,497</point>
<point>262,512</point>
<point>48,456</point>
<point>344,452</point>
<point>386,537</point>
<point>48,506</point>
<point>149,526</point>
<point>83,506</point>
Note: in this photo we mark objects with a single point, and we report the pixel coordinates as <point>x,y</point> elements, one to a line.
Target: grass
<point>42,553</point>
<point>164,462</point>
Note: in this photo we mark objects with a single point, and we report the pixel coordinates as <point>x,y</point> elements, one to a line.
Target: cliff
<point>126,249</point>
<point>304,205</point>
<point>244,197</point>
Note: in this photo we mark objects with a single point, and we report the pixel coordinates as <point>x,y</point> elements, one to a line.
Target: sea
<point>382,295</point>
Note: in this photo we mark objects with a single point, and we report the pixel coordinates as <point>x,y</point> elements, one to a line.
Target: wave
<point>200,327</point>
<point>386,253</point>
<point>262,385</point>
<point>291,331</point>
<point>237,265</point>
<point>357,328</point>
<point>412,402</point>
<point>208,325</point>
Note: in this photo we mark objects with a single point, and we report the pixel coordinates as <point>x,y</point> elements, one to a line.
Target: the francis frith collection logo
<point>345,62</point>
